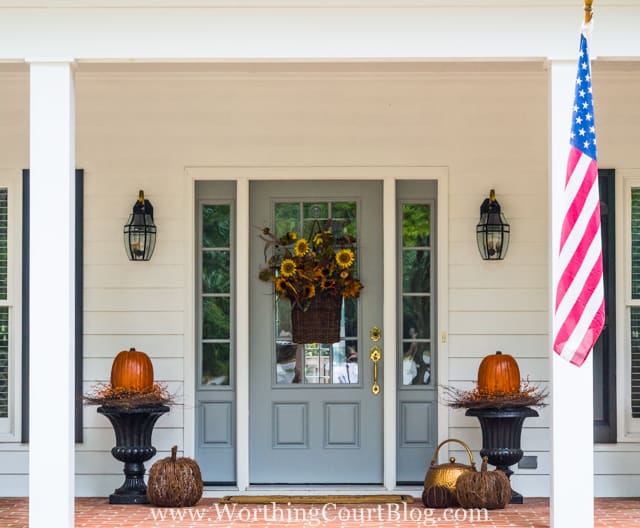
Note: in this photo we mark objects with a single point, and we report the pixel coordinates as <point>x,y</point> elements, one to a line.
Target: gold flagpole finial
<point>588,12</point>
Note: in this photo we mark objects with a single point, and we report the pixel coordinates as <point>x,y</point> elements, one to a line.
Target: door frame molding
<point>242,175</point>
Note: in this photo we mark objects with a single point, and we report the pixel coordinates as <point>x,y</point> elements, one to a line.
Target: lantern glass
<point>492,232</point>
<point>140,232</point>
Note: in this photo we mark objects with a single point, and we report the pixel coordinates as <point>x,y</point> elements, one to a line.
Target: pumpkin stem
<point>132,349</point>
<point>498,353</point>
<point>174,453</point>
<point>483,468</point>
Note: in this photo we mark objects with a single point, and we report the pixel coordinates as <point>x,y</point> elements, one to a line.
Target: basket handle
<point>435,455</point>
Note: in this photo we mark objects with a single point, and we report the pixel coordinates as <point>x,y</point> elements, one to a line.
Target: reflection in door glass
<point>416,294</point>
<point>316,363</point>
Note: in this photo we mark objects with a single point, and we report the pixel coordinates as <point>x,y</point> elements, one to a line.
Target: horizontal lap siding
<point>501,305</point>
<point>151,128</point>
<point>139,132</point>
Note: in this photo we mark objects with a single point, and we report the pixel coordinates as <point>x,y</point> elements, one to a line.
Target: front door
<point>314,418</point>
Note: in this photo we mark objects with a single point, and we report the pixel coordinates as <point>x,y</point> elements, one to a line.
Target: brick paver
<point>96,512</point>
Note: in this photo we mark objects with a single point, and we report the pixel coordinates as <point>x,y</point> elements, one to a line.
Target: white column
<point>571,387</point>
<point>51,301</point>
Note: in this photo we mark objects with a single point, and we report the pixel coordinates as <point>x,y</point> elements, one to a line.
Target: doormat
<point>316,499</point>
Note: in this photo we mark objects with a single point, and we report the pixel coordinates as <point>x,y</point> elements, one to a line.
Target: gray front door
<point>314,418</point>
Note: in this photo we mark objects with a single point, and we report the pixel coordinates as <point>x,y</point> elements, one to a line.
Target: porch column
<point>51,300</point>
<point>571,386</point>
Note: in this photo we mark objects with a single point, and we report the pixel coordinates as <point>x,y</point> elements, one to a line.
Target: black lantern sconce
<point>140,231</point>
<point>493,230</point>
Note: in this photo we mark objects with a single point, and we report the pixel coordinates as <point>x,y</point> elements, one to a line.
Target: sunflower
<point>345,258</point>
<point>292,235</point>
<point>344,274</point>
<point>309,291</point>
<point>280,285</point>
<point>326,284</point>
<point>351,289</point>
<point>301,248</point>
<point>288,268</point>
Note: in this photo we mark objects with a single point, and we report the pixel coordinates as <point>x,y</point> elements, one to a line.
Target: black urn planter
<point>501,432</point>
<point>133,428</point>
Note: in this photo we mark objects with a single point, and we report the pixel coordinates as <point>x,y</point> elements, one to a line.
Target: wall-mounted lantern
<point>140,231</point>
<point>493,230</point>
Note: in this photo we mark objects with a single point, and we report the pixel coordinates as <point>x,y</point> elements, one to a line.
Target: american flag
<point>579,315</point>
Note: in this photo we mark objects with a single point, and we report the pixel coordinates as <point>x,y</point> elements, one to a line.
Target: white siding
<point>140,130</point>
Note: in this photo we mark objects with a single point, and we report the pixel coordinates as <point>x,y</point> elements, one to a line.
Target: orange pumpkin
<point>132,370</point>
<point>498,374</point>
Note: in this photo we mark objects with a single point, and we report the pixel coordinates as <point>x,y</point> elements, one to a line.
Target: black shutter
<point>79,288</point>
<point>604,351</point>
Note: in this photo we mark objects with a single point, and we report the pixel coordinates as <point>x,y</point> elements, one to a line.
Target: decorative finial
<point>492,195</point>
<point>588,12</point>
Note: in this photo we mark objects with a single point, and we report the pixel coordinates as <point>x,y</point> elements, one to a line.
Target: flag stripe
<point>577,309</point>
<point>573,255</point>
<point>578,278</point>
<point>585,179</point>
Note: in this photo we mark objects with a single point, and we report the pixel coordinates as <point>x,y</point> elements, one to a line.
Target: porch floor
<point>96,512</point>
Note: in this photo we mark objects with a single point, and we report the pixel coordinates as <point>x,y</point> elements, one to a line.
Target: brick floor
<point>96,512</point>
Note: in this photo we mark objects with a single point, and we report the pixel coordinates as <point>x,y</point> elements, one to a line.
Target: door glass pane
<point>215,318</point>
<point>416,299</point>
<point>416,270</point>
<point>215,363</point>
<point>287,218</point>
<point>344,218</point>
<point>316,363</point>
<point>215,271</point>
<point>416,225</point>
<point>216,225</point>
<point>416,363</point>
<point>416,317</point>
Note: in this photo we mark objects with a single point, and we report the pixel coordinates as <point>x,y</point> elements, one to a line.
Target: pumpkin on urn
<point>132,370</point>
<point>498,374</point>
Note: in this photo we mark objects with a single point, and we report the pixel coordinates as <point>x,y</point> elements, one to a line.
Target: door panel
<point>313,416</point>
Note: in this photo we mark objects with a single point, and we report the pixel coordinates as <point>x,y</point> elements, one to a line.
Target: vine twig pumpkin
<point>132,370</point>
<point>438,497</point>
<point>483,489</point>
<point>175,482</point>
<point>498,374</point>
